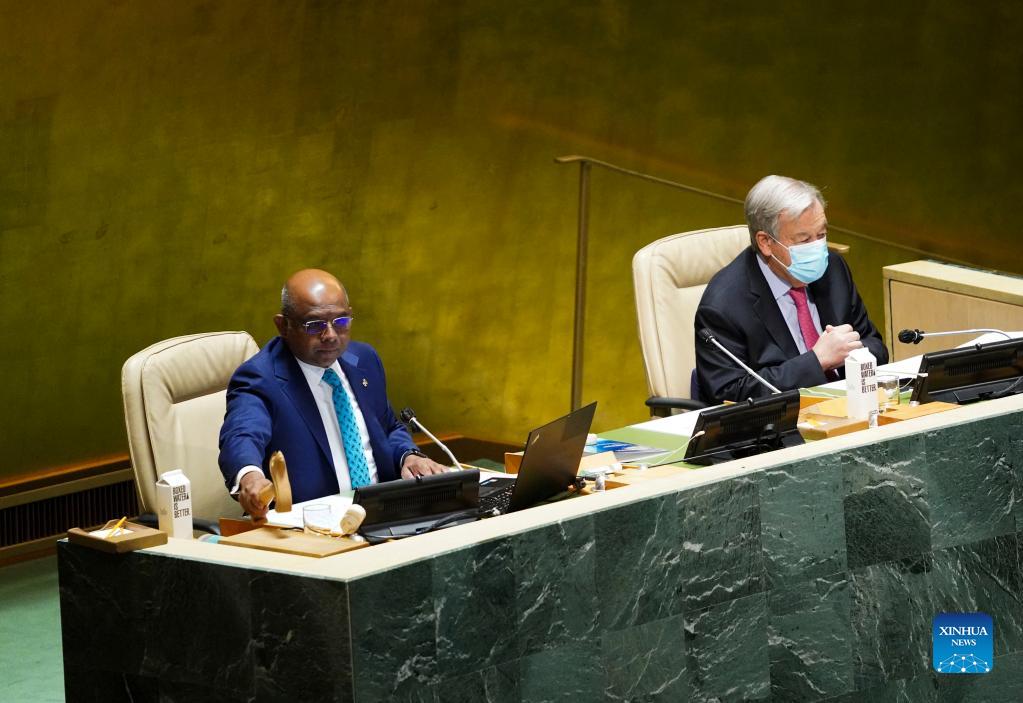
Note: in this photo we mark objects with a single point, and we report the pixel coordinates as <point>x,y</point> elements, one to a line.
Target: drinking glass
<point>317,519</point>
<point>888,384</point>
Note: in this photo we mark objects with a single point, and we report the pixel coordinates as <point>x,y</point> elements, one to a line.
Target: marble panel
<point>566,674</point>
<point>891,621</point>
<point>163,604</point>
<point>91,583</point>
<point>1012,442</point>
<point>646,662</point>
<point>972,483</point>
<point>985,577</point>
<point>639,563</point>
<point>301,638</point>
<point>495,684</point>
<point>1001,684</point>
<point>810,638</point>
<point>409,692</point>
<point>475,604</point>
<point>190,692</point>
<point>186,646</point>
<point>895,603</point>
<point>885,502</point>
<point>394,625</point>
<point>922,689</point>
<point>556,589</point>
<point>722,555</point>
<point>110,687</point>
<point>727,650</point>
<point>802,519</point>
<point>105,686</point>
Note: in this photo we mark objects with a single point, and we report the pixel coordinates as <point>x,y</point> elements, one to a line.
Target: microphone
<point>917,336</point>
<point>408,416</point>
<point>706,336</point>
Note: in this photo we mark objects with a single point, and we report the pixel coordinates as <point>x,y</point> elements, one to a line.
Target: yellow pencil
<point>116,527</point>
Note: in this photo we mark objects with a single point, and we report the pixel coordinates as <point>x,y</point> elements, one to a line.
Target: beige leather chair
<point>670,276</point>
<point>174,399</point>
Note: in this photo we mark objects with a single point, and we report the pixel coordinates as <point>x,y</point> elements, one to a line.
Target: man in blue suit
<point>319,398</point>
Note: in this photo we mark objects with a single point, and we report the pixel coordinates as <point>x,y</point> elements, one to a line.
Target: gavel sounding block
<point>291,541</point>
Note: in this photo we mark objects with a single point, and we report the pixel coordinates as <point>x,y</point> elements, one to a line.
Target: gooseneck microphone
<point>408,416</point>
<point>917,336</point>
<point>706,336</point>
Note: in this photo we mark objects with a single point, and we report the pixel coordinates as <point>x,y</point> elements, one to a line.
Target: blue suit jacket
<point>270,408</point>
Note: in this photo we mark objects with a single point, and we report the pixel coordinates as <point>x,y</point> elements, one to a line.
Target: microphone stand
<point>706,336</point>
<point>409,417</point>
<point>917,336</point>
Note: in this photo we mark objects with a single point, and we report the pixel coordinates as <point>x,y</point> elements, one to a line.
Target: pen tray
<point>140,537</point>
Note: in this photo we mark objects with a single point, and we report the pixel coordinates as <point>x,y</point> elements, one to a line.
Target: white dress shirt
<point>780,290</point>
<point>323,395</point>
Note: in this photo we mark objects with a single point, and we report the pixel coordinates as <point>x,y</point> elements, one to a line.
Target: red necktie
<point>806,325</point>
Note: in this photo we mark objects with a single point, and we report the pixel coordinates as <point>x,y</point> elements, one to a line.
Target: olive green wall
<point>165,165</point>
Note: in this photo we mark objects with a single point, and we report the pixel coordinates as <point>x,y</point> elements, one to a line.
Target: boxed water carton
<point>174,504</point>
<point>861,386</point>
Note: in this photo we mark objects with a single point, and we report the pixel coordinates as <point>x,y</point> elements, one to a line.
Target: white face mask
<point>809,261</point>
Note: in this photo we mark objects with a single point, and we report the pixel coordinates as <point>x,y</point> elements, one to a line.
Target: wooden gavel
<point>280,486</point>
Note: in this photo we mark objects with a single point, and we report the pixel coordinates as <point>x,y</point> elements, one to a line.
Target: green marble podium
<point>809,574</point>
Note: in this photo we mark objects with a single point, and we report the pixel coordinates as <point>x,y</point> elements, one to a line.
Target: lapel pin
<point>365,383</point>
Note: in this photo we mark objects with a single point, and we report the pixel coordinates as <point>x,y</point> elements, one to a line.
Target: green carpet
<point>30,650</point>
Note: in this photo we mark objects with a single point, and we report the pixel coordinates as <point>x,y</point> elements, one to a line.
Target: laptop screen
<point>551,459</point>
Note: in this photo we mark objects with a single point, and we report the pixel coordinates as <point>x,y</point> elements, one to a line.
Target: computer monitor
<point>407,507</point>
<point>980,372</point>
<point>744,429</point>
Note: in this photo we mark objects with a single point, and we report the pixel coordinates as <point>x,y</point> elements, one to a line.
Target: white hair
<point>773,195</point>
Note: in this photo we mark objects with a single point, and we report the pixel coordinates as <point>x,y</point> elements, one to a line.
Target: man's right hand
<point>249,489</point>
<point>835,344</point>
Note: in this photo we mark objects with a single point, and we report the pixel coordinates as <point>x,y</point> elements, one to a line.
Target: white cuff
<point>238,477</point>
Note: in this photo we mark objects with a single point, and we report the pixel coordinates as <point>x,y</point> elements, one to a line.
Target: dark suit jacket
<point>270,408</point>
<point>739,309</point>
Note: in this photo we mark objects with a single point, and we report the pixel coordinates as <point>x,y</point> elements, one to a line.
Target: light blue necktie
<point>358,471</point>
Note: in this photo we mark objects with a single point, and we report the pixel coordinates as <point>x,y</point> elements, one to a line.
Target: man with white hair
<point>785,306</point>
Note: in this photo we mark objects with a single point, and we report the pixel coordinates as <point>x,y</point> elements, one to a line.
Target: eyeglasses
<point>316,327</point>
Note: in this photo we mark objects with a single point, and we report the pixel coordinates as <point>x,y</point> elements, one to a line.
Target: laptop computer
<point>408,507</point>
<point>549,464</point>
